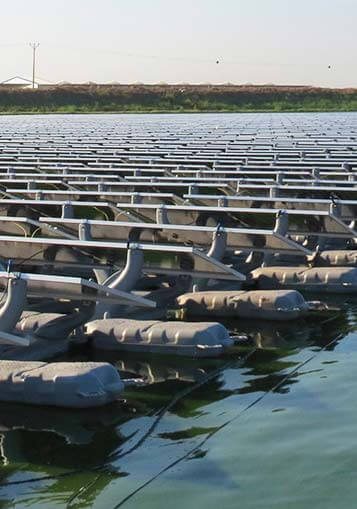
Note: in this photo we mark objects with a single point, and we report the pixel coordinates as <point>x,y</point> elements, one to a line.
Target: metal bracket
<point>256,259</point>
<point>126,279</point>
<point>84,233</point>
<point>14,305</point>
<point>279,179</point>
<point>281,222</point>
<point>316,173</point>
<point>219,244</point>
<point>335,208</point>
<point>67,211</point>
<point>222,202</point>
<point>216,252</point>
<point>62,326</point>
<point>274,192</point>
<point>161,215</point>
<point>135,198</point>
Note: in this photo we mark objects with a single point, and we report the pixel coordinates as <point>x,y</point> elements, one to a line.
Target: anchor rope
<point>116,456</point>
<point>162,412</point>
<point>224,425</point>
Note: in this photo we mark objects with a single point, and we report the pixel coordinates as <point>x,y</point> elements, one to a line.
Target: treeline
<point>175,98</point>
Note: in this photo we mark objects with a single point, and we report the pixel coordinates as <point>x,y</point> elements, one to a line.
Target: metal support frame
<point>281,222</point>
<point>161,215</point>
<point>67,211</point>
<point>279,178</point>
<point>216,252</point>
<point>14,305</point>
<point>219,245</point>
<point>62,326</point>
<point>126,279</point>
<point>335,208</point>
<point>84,233</point>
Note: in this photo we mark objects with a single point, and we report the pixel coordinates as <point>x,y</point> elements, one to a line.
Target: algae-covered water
<point>272,426</point>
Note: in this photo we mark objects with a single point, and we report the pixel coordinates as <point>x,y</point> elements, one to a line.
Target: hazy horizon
<point>260,42</point>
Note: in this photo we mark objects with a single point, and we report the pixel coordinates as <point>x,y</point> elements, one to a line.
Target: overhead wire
<point>215,60</point>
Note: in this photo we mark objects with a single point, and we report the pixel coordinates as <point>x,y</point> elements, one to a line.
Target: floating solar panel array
<point>108,209</point>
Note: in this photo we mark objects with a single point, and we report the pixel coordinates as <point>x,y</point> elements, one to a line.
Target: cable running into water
<point>224,425</point>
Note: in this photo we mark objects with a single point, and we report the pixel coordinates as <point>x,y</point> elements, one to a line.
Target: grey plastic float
<point>318,279</point>
<point>336,258</point>
<point>151,336</point>
<point>52,325</point>
<point>62,384</point>
<point>261,304</point>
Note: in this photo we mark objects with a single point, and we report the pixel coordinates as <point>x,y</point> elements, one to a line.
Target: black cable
<point>118,455</point>
<point>24,260</point>
<point>224,425</point>
<point>162,412</point>
<point>178,397</point>
<point>82,490</point>
<point>165,409</point>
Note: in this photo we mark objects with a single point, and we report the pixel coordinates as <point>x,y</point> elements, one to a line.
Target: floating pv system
<point>102,220</point>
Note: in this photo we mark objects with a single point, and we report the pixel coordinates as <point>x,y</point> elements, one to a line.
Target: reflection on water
<point>49,441</point>
<point>156,371</point>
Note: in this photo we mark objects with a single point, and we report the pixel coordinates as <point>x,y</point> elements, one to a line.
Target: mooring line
<point>236,363</point>
<point>224,425</point>
<point>82,490</point>
<point>161,414</point>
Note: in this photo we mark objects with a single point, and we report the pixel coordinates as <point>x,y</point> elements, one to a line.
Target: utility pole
<point>34,46</point>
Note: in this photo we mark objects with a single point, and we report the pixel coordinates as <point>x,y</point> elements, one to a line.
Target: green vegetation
<point>174,98</point>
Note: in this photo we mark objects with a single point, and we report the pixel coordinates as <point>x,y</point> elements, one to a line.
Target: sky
<point>285,42</point>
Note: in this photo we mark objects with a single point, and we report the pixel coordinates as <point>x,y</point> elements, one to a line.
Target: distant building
<point>17,82</point>
<point>20,82</point>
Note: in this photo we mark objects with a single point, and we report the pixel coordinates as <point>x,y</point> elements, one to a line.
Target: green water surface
<point>276,429</point>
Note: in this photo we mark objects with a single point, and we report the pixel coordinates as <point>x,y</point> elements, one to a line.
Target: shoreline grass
<point>175,99</point>
<point>140,110</point>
